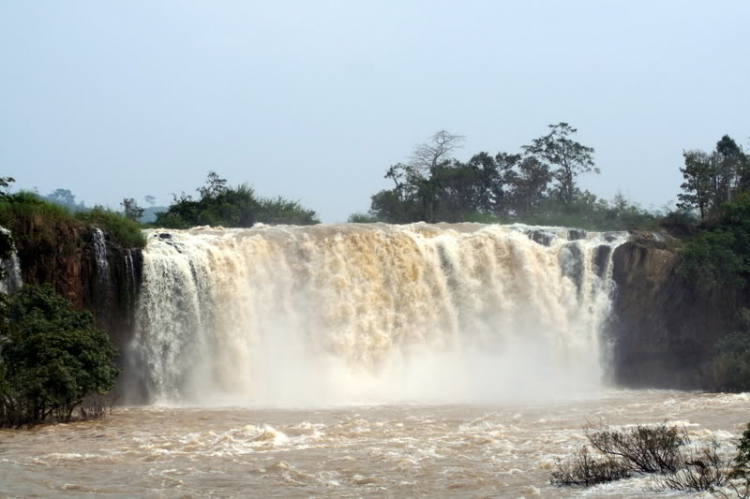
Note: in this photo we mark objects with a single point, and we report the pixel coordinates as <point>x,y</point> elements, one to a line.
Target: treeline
<point>715,258</point>
<point>221,205</point>
<point>538,185</point>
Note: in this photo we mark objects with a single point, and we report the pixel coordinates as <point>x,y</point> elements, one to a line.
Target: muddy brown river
<point>351,451</point>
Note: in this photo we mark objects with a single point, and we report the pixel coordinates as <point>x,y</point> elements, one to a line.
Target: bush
<point>585,471</point>
<point>52,357</point>
<point>220,205</point>
<point>646,449</point>
<point>720,255</point>
<point>704,470</point>
<point>128,232</point>
<point>362,218</point>
<point>729,368</point>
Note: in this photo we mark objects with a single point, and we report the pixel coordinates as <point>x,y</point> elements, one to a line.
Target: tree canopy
<point>52,357</point>
<point>221,205</point>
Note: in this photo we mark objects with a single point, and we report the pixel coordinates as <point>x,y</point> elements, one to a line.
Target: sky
<point>314,100</point>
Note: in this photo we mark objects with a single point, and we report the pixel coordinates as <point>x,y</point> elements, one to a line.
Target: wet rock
<point>601,259</point>
<point>576,234</point>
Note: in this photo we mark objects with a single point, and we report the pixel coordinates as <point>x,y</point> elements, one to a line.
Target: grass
<point>40,221</point>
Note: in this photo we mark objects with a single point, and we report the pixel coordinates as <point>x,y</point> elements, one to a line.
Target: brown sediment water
<point>347,451</point>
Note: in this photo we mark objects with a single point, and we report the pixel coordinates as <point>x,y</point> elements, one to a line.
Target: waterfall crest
<point>338,313</point>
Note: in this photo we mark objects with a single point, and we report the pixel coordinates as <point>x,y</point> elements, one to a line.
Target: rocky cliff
<point>87,267</point>
<point>664,327</point>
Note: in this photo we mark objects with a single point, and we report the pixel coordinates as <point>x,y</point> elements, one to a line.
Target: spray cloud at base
<point>294,316</point>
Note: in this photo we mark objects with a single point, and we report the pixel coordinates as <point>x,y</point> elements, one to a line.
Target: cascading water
<point>325,314</point>
<point>100,253</point>
<point>130,274</point>
<point>11,266</point>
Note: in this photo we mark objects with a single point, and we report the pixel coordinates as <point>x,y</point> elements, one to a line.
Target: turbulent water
<point>503,451</point>
<point>372,313</point>
<point>360,361</point>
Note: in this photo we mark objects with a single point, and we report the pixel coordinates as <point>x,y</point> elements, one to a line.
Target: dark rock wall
<point>664,327</point>
<point>66,258</point>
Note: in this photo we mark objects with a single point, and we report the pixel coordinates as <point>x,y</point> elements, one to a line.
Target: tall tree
<point>131,209</point>
<point>698,187</point>
<point>436,150</point>
<point>566,158</point>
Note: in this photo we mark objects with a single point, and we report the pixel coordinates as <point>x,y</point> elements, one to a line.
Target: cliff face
<point>663,328</point>
<point>88,268</point>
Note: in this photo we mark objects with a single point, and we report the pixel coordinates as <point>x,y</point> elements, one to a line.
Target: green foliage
<point>126,231</point>
<point>362,218</point>
<point>720,255</point>
<point>220,205</point>
<point>742,459</point>
<point>51,358</point>
<point>712,179</point>
<point>64,197</point>
<point>538,188</point>
<point>40,221</point>
<point>565,158</point>
<point>131,209</point>
<point>282,211</point>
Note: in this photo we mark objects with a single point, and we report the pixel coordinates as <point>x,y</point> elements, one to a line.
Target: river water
<point>346,451</point>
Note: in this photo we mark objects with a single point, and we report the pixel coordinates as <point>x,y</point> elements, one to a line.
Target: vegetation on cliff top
<point>52,357</point>
<point>221,205</point>
<point>39,221</point>
<point>537,186</point>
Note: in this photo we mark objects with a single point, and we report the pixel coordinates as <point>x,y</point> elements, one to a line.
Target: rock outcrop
<point>101,276</point>
<point>663,327</point>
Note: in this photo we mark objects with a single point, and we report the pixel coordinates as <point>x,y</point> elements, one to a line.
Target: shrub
<point>584,470</point>
<point>220,205</point>
<point>52,357</point>
<point>730,367</point>
<point>40,221</point>
<point>646,449</point>
<point>362,218</point>
<point>704,470</point>
<point>126,231</point>
<point>720,255</point>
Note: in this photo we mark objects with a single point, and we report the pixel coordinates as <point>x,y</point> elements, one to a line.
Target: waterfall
<point>340,313</point>
<point>11,266</point>
<point>130,275</point>
<point>100,253</point>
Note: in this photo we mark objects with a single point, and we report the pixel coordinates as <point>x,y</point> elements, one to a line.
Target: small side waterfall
<point>100,253</point>
<point>130,275</point>
<point>12,280</point>
<point>324,314</point>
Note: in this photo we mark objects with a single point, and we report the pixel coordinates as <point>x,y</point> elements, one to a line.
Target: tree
<point>566,158</point>
<point>4,185</point>
<point>215,185</point>
<point>428,155</point>
<point>529,183</point>
<point>151,200</point>
<point>63,197</point>
<point>52,357</point>
<point>698,187</point>
<point>131,209</point>
<point>221,205</point>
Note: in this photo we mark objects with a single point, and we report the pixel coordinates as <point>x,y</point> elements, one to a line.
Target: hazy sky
<point>313,100</point>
